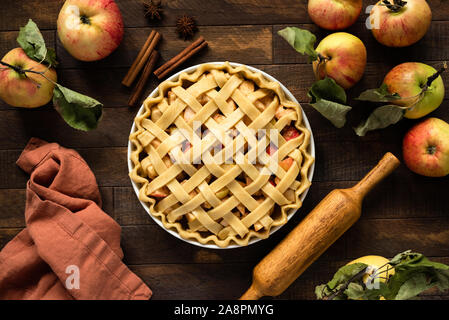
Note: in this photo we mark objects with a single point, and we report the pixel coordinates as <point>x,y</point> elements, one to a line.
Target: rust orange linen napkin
<point>70,248</point>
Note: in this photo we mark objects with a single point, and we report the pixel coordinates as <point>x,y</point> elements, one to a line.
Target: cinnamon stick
<point>147,71</point>
<point>142,58</point>
<point>180,58</point>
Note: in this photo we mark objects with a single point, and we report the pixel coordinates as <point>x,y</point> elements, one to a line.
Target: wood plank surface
<point>245,44</point>
<point>406,212</point>
<point>207,13</point>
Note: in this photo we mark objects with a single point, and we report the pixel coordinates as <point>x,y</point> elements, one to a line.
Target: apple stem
<point>377,273</point>
<point>342,289</point>
<point>395,6</point>
<point>321,62</point>
<point>25,71</point>
<point>15,68</point>
<point>84,19</point>
<point>435,75</point>
<point>431,150</point>
<point>322,58</point>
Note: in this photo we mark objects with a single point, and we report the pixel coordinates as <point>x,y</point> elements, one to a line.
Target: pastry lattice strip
<point>172,114</point>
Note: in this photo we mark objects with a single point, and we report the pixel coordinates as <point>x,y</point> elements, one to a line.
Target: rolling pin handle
<point>385,166</point>
<point>251,294</point>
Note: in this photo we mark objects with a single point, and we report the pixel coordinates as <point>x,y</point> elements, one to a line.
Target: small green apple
<point>408,80</point>
<point>342,58</point>
<point>29,91</point>
<point>426,148</point>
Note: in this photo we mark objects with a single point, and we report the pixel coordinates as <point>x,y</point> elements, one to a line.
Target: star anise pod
<point>153,9</point>
<point>186,26</point>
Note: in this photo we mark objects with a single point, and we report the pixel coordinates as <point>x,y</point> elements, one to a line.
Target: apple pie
<point>221,155</point>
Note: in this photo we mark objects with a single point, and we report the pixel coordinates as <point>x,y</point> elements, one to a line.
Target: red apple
<point>408,80</point>
<point>342,57</point>
<point>426,148</point>
<point>400,24</point>
<point>90,29</point>
<point>29,91</point>
<point>334,14</point>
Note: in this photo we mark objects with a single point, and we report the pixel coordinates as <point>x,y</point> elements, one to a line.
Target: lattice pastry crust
<point>187,183</point>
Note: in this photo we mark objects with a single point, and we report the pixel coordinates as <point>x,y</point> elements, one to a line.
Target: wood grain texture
<point>407,212</point>
<point>19,125</point>
<point>246,44</point>
<point>422,235</point>
<point>207,13</point>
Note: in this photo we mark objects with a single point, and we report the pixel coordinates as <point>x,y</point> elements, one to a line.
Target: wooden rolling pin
<point>335,214</point>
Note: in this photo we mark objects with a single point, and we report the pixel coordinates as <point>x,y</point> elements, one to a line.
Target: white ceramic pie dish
<point>253,240</point>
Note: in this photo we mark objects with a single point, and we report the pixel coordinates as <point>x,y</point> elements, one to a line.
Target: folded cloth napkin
<point>70,248</point>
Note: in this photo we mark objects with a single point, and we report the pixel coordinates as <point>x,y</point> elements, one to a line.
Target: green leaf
<point>79,111</point>
<point>414,273</point>
<point>400,257</point>
<point>345,273</point>
<point>380,118</point>
<point>413,286</point>
<point>442,278</point>
<point>329,99</point>
<point>327,89</point>
<point>32,42</point>
<point>334,112</point>
<point>341,277</point>
<point>375,294</point>
<point>354,291</point>
<point>301,40</point>
<point>414,259</point>
<point>321,292</point>
<point>378,95</point>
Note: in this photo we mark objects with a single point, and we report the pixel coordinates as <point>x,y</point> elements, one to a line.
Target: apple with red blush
<point>90,30</point>
<point>334,14</point>
<point>397,23</point>
<point>19,88</point>
<point>342,57</point>
<point>419,85</point>
<point>426,148</point>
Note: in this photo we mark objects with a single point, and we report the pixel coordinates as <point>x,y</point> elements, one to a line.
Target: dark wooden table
<point>406,212</point>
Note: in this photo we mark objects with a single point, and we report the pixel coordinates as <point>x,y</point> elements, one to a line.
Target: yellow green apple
<point>334,14</point>
<point>28,90</point>
<point>377,265</point>
<point>401,23</point>
<point>342,57</point>
<point>425,148</point>
<point>408,80</point>
<point>90,30</point>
